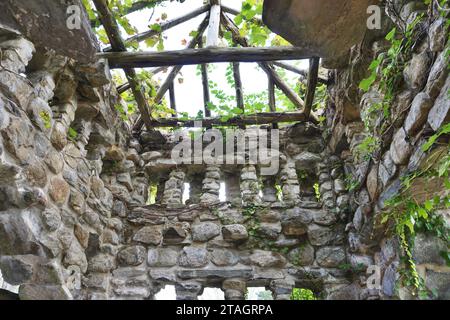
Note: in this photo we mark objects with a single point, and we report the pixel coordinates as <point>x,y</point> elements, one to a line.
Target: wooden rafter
<point>296,70</point>
<point>113,32</point>
<point>205,84</point>
<point>255,119</point>
<point>313,76</point>
<point>164,27</point>
<point>267,67</point>
<point>175,70</point>
<point>120,60</point>
<point>173,103</point>
<point>126,86</point>
<point>212,37</point>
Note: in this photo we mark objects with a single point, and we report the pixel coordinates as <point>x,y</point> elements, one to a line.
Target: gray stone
<point>52,219</point>
<point>360,261</point>
<point>222,258</point>
<point>132,256</point>
<point>59,190</point>
<point>306,161</point>
<point>302,256</point>
<point>149,235</point>
<point>418,113</point>
<point>390,278</point>
<point>428,249</point>
<point>416,72</point>
<point>400,148</point>
<point>438,35</point>
<point>320,236</point>
<point>102,263</point>
<point>269,230</point>
<point>162,257</point>
<point>440,114</point>
<point>330,257</point>
<point>205,231</point>
<point>438,75</point>
<point>193,257</point>
<point>439,282</point>
<point>324,218</point>
<point>294,221</point>
<point>44,292</point>
<point>234,233</point>
<point>350,292</point>
<point>267,259</point>
<point>54,161</point>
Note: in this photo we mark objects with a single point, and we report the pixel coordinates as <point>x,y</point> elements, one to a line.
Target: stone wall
<point>90,211</point>
<point>419,109</point>
<point>59,201</point>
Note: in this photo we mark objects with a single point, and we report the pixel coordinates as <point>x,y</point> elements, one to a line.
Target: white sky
<point>189,93</point>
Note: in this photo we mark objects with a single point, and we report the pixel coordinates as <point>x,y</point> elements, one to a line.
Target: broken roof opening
<point>206,47</point>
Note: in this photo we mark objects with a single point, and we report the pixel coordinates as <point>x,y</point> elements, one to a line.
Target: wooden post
<point>112,30</point>
<point>313,76</point>
<point>173,104</point>
<point>272,101</point>
<point>205,84</point>
<point>238,86</point>
<point>212,37</point>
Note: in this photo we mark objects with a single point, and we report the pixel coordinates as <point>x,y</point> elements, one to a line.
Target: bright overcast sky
<point>189,94</point>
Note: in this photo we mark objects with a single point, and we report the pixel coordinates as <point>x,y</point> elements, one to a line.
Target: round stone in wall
<point>193,257</point>
<point>203,232</point>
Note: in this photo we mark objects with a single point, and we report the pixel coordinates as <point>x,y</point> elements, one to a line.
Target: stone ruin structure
<point>75,215</point>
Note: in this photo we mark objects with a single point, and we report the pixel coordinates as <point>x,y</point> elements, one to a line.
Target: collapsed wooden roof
<point>201,53</point>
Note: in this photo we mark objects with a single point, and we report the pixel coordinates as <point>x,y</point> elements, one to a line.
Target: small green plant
<point>72,134</point>
<point>302,294</point>
<point>45,116</point>
<point>317,191</point>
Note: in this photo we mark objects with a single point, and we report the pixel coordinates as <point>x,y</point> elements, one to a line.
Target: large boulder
<point>326,28</point>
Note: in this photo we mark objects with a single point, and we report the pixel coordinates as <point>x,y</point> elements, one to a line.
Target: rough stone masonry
<point>75,218</point>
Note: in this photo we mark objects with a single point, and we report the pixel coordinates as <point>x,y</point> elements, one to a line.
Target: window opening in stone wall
<point>222,192</point>
<point>212,294</point>
<point>258,293</point>
<point>166,293</point>
<point>187,194</point>
<point>152,194</point>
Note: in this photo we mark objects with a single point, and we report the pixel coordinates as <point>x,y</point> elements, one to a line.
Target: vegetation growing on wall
<point>406,214</point>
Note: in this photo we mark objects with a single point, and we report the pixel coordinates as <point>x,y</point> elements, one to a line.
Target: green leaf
<point>156,27</point>
<point>391,34</point>
<point>367,83</point>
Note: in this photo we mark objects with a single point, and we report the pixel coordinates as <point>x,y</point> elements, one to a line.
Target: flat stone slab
<point>246,273</point>
<point>328,28</point>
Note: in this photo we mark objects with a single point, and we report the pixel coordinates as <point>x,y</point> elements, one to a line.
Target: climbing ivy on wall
<point>406,214</point>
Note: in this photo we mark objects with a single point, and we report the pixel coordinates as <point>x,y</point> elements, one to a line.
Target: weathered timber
<point>212,37</point>
<point>199,56</point>
<point>272,101</point>
<point>175,70</point>
<point>238,86</point>
<point>237,38</point>
<point>164,27</point>
<point>126,86</point>
<point>173,103</point>
<point>255,119</point>
<point>296,70</point>
<point>205,84</point>
<point>112,30</point>
<point>313,76</point>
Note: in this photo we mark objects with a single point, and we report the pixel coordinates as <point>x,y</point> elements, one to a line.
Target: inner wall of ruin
<point>75,215</point>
